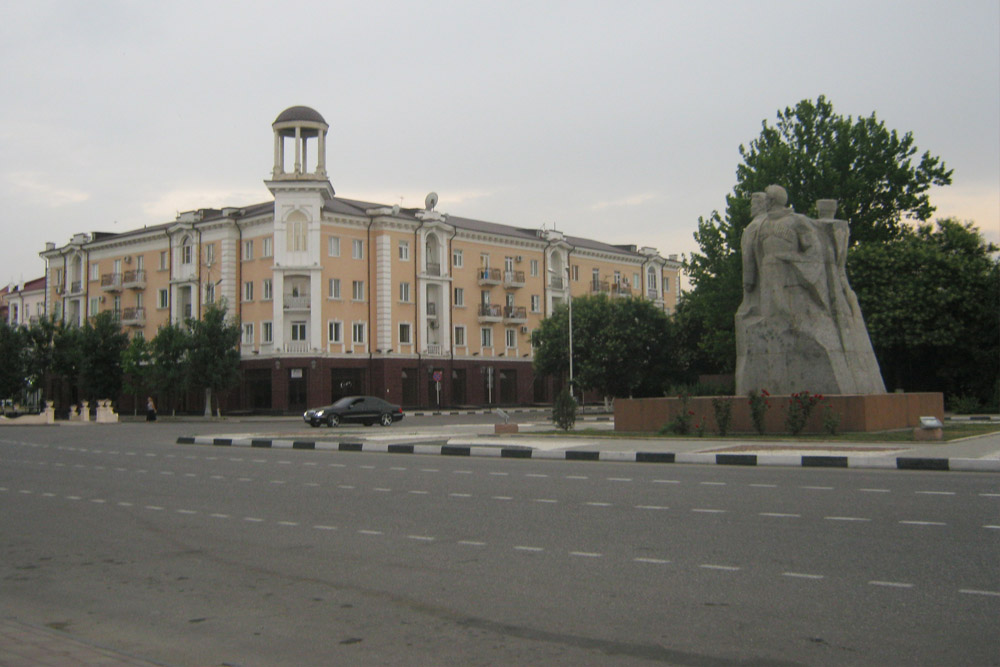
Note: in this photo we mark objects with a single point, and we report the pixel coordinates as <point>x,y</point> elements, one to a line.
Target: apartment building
<point>338,296</point>
<point>23,303</point>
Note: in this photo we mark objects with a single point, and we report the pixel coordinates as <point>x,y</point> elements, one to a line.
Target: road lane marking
<point>651,507</point>
<point>370,532</point>
<point>817,488</point>
<point>471,543</point>
<point>577,477</point>
<point>323,527</point>
<point>724,568</point>
<point>666,481</point>
<point>459,495</point>
<point>381,489</point>
<point>708,511</point>
<point>891,584</point>
<point>973,591</point>
<point>782,515</point>
<point>461,472</point>
<point>764,486</point>
<point>802,575</point>
<point>992,527</point>
<point>990,495</point>
<point>99,501</point>
<point>500,474</point>
<point>253,519</point>
<point>594,504</point>
<point>619,479</point>
<point>155,508</point>
<point>584,554</point>
<point>845,518</point>
<point>124,504</point>
<point>526,548</point>
<point>288,523</point>
<point>503,498</point>
<point>535,474</point>
<point>544,500</point>
<point>187,512</point>
<point>653,561</point>
<point>935,493</point>
<point>874,490</point>
<point>923,523</point>
<point>219,516</point>
<point>344,486</point>
<point>420,493</point>
<point>712,483</point>
<point>429,470</point>
<point>420,538</point>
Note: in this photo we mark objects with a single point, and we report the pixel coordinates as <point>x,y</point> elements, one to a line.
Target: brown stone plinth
<point>921,433</point>
<point>875,412</point>
<point>505,428</point>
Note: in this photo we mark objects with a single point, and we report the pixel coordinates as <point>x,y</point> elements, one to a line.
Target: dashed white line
<point>503,498</point>
<point>817,488</point>
<point>653,561</point>
<point>471,543</point>
<point>712,483</point>
<point>585,554</point>
<point>596,504</point>
<point>845,518</point>
<point>577,477</point>
<point>874,490</point>
<point>500,474</point>
<point>724,568</point>
<point>991,527</point>
<point>98,501</point>
<point>187,512</point>
<point>253,519</point>
<point>429,470</point>
<point>802,575</point>
<point>420,538</point>
<point>704,510</point>
<point>381,489</point>
<point>544,500</point>
<point>459,495</point>
<point>324,527</point>
<point>973,591</point>
<point>288,523</point>
<point>344,486</point>
<point>124,504</point>
<point>990,495</point>
<point>219,516</point>
<point>935,493</point>
<point>154,508</point>
<point>525,548</point>
<point>782,515</point>
<point>651,507</point>
<point>370,532</point>
<point>420,493</point>
<point>923,523</point>
<point>461,472</point>
<point>619,479</point>
<point>666,481</point>
<point>535,474</point>
<point>891,584</point>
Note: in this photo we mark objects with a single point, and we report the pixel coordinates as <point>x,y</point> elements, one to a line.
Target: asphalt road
<point>207,556</point>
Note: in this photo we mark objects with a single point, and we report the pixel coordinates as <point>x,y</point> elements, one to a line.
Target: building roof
<point>292,114</point>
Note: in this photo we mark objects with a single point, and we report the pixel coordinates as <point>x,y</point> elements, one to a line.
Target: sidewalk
<point>24,645</point>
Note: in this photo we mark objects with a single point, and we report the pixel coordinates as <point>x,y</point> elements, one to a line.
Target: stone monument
<point>799,326</point>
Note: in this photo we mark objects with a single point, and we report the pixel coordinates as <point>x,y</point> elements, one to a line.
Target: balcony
<point>296,347</point>
<point>490,276</point>
<point>513,279</point>
<point>111,282</point>
<point>433,269</point>
<point>434,350</point>
<point>135,279</point>
<point>134,317</point>
<point>515,314</point>
<point>490,312</point>
<point>432,310</point>
<point>557,282</point>
<point>652,294</point>
<point>296,302</point>
<point>600,286</point>
<point>76,287</point>
<point>618,289</point>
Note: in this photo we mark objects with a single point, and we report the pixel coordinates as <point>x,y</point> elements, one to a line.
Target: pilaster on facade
<point>384,293</point>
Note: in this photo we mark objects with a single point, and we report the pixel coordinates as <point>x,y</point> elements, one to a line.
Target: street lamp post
<point>569,301</point>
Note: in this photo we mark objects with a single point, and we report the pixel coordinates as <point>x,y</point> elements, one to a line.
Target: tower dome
<point>300,125</point>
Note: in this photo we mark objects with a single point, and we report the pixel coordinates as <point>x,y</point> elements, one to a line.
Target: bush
<point>800,406</point>
<point>964,405</point>
<point>759,405</point>
<point>680,424</point>
<point>831,420</point>
<point>564,410</point>
<point>723,408</point>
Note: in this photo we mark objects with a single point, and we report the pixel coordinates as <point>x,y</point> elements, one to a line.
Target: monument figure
<point>799,326</point>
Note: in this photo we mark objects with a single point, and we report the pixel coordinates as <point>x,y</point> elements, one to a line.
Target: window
<point>333,290</point>
<point>404,334</point>
<point>486,337</point>
<point>95,305</point>
<point>358,290</point>
<point>268,250</point>
<point>358,333</point>
<point>267,290</point>
<point>95,271</point>
<point>536,303</point>
<point>209,293</point>
<point>333,246</point>
<point>248,333</point>
<point>404,251</point>
<point>459,296</point>
<point>618,277</point>
<point>456,258</point>
<point>298,331</point>
<point>484,260</point>
<point>666,284</point>
<point>163,299</point>
<point>266,332</point>
<point>248,290</point>
<point>508,263</point>
<point>534,267</point>
<point>511,338</point>
<point>358,249</point>
<point>575,270</point>
<point>209,254</point>
<point>164,265</point>
<point>460,336</point>
<point>186,251</point>
<point>404,292</point>
<point>248,250</point>
<point>296,235</point>
<point>334,331</point>
<point>635,280</point>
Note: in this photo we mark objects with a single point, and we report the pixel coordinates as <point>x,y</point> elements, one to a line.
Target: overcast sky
<point>619,121</point>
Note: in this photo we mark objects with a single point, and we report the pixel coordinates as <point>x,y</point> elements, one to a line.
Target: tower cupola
<point>300,127</point>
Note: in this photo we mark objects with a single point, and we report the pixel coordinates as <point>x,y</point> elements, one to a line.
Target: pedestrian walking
<point>150,409</point>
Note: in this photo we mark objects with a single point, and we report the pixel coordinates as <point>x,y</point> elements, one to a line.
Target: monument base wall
<point>857,413</point>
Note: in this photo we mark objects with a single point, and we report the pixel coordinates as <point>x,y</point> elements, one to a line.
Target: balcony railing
<point>76,287</point>
<point>618,289</point>
<point>296,302</point>
<point>433,268</point>
<point>135,279</point>
<point>513,279</point>
<point>298,347</point>
<point>111,282</point>
<point>432,309</point>
<point>489,312</point>
<point>134,316</point>
<point>600,286</point>
<point>490,276</point>
<point>652,294</point>
<point>556,282</point>
<point>514,314</point>
<point>434,350</point>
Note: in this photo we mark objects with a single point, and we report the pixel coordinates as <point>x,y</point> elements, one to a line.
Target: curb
<point>446,449</point>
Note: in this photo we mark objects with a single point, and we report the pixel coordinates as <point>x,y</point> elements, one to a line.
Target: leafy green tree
<point>66,358</point>
<point>813,153</point>
<point>136,368</point>
<point>564,410</point>
<point>102,343</point>
<point>12,370</point>
<point>931,301</point>
<point>40,351</point>
<point>169,371</point>
<point>621,347</point>
<point>214,355</point>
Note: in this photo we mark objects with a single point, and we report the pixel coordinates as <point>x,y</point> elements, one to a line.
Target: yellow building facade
<point>338,296</point>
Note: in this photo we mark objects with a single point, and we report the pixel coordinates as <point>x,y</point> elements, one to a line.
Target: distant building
<point>23,303</point>
<point>338,296</point>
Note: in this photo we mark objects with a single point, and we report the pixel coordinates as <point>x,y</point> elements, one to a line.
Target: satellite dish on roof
<point>430,201</point>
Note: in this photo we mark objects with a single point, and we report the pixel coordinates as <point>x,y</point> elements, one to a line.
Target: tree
<point>214,355</point>
<point>813,153</point>
<point>621,347</point>
<point>169,371</point>
<point>12,370</point>
<point>102,343</point>
<point>931,301</point>
<point>136,368</point>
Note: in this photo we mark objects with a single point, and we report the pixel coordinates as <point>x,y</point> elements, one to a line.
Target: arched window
<point>297,225</point>
<point>187,250</point>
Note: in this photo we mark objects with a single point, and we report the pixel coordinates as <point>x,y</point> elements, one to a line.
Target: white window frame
<point>333,288</point>
<point>456,259</point>
<point>163,299</point>
<point>268,247</point>
<point>299,331</point>
<point>486,337</point>
<point>247,333</point>
<point>404,292</point>
<point>266,332</point>
<point>407,328</point>
<point>266,289</point>
<point>95,271</point>
<point>534,268</point>
<point>358,331</point>
<point>248,291</point>
<point>247,250</point>
<point>358,290</point>
<point>164,260</point>
<point>357,249</point>
<point>333,246</point>
<point>536,303</point>
<point>459,297</point>
<point>404,251</point>
<point>511,338</point>
<point>460,336</point>
<point>209,254</point>
<point>335,331</point>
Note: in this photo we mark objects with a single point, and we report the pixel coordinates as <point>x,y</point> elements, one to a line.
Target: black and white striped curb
<point>522,452</point>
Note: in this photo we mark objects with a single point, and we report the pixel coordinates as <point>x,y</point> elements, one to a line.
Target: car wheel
<point>333,420</point>
<point>313,424</point>
<point>386,419</point>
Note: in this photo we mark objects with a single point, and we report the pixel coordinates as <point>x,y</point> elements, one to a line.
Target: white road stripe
<point>725,568</point>
<point>817,488</point>
<point>764,486</point>
<point>666,481</point>
<point>471,543</point>
<point>708,511</point>
<point>322,527</point>
<point>253,519</point>
<point>577,477</point>
<point>598,504</point>
<point>712,483</point>
<point>186,512</point>
<point>524,548</point>
<point>544,500</point>
<point>155,508</point>
<point>584,554</point>
<point>923,523</point>
<point>802,575</point>
<point>845,518</point>
<point>420,538</point>
<point>782,515</point>
<point>288,523</point>
<point>460,495</point>
<point>619,479</point>
<point>370,532</point>
<point>654,561</point>
<point>874,490</point>
<point>972,591</point>
<point>891,584</point>
<point>651,507</point>
<point>503,498</point>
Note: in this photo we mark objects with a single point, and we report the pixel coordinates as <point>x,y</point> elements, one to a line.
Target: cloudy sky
<point>619,121</point>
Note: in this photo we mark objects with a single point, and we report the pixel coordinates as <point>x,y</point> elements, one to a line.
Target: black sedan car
<point>365,410</point>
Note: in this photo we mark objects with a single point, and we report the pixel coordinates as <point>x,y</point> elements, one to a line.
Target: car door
<point>355,411</point>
